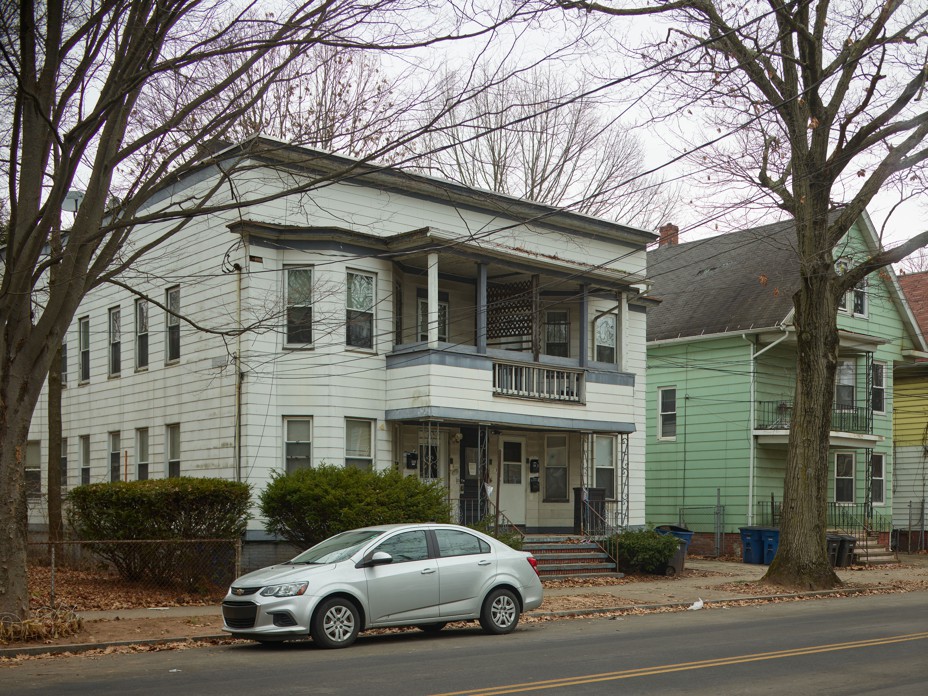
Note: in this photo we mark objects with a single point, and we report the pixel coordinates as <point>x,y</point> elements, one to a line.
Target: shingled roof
<point>915,287</point>
<point>739,281</point>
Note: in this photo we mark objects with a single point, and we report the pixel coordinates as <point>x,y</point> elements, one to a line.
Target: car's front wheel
<point>336,623</point>
<point>500,612</point>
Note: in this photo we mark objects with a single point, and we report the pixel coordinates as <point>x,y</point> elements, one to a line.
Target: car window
<point>454,543</point>
<point>407,546</point>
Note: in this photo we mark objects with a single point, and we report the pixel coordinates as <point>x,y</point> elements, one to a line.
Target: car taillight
<point>534,563</point>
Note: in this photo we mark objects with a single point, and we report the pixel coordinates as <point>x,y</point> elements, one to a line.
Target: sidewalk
<point>710,580</point>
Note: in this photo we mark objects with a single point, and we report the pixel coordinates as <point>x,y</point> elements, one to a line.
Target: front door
<point>433,456</point>
<point>512,481</point>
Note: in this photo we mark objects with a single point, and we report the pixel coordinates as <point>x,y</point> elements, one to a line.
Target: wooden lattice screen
<point>509,310</point>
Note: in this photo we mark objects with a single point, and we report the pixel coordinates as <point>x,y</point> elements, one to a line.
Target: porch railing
<point>857,519</point>
<point>600,518</point>
<point>778,415</point>
<point>483,515</point>
<point>536,382</point>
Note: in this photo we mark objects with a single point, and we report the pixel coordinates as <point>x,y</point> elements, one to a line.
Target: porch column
<point>584,325</point>
<point>482,308</point>
<point>433,300</point>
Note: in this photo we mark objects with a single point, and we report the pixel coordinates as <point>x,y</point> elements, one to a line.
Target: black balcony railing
<point>778,415</point>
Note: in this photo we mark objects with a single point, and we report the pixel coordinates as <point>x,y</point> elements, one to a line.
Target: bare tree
<point>824,97</point>
<point>535,136</point>
<point>330,98</point>
<point>79,77</point>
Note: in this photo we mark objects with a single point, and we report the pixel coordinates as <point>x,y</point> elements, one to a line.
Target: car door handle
<point>483,563</point>
<point>428,571</point>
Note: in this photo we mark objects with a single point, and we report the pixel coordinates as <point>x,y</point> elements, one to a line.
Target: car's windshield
<point>338,547</point>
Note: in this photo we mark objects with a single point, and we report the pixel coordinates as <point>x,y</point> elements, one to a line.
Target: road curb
<point>569,613</point>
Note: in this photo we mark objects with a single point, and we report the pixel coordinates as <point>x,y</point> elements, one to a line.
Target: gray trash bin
<point>675,565</point>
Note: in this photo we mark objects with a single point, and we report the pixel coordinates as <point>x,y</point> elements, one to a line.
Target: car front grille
<point>239,614</point>
<point>243,591</point>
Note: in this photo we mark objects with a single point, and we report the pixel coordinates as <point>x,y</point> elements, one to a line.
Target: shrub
<point>162,509</point>
<point>642,550</point>
<point>309,505</point>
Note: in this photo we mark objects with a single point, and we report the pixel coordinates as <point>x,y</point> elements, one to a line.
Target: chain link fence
<point>107,575</point>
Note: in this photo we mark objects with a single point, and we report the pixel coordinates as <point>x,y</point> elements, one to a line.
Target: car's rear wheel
<point>500,612</point>
<point>432,627</point>
<point>336,623</point>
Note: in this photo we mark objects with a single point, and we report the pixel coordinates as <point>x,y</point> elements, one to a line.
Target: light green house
<point>721,374</point>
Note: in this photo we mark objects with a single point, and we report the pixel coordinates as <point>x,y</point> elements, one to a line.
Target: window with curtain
<point>604,464</point>
<point>298,444</point>
<point>359,451</point>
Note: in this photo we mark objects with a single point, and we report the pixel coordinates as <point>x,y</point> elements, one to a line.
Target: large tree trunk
<point>14,429</point>
<point>802,560</point>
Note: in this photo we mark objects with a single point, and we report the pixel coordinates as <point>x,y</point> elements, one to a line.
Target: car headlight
<point>290,589</point>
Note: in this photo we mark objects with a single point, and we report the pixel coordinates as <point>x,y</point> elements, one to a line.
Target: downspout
<point>239,377</point>
<point>752,463</point>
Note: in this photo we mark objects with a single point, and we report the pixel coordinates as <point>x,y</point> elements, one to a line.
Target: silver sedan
<point>421,575</point>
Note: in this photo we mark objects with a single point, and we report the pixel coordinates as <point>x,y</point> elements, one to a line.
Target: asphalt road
<point>856,645</point>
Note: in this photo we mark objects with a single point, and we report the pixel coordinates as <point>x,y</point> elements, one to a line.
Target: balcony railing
<point>778,415</point>
<point>535,382</point>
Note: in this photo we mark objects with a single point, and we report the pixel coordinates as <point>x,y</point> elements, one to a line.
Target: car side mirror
<point>377,558</point>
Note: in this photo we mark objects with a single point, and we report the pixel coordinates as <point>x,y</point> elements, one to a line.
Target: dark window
<point>407,546</point>
<point>115,339</point>
<point>878,387</point>
<point>141,334</point>
<point>115,458</point>
<point>83,331</point>
<point>360,311</point>
<point>454,543</point>
<point>33,469</point>
<point>299,306</point>
<point>172,319</point>
<point>668,413</point>
<point>557,333</point>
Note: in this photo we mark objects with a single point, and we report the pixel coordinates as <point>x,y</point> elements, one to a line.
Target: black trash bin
<point>833,545</point>
<point>848,545</point>
<point>589,510</point>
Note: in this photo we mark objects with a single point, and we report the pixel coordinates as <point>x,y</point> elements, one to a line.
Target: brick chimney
<point>670,235</point>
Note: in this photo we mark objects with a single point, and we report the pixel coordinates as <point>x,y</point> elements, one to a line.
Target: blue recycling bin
<point>752,545</point>
<point>681,533</point>
<point>771,542</point>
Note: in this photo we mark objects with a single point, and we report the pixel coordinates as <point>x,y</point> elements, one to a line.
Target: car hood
<point>277,574</point>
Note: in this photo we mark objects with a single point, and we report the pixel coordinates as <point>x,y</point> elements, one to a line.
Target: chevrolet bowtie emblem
<point>239,591</point>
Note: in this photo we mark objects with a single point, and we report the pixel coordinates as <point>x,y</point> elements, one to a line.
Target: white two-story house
<point>387,319</point>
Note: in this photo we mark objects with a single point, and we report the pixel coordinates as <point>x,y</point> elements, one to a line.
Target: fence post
<point>53,578</point>
<point>718,526</point>
<point>238,557</point>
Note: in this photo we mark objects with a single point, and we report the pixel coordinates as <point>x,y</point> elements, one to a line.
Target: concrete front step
<point>560,558</point>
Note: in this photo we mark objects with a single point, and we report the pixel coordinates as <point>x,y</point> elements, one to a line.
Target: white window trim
<point>615,342</point>
<point>83,337</point>
<point>372,311</point>
<point>138,450</point>
<point>882,386</point>
<point>287,440</point>
<point>852,477</point>
<point>84,455</point>
<point>661,413</point>
<point>558,311</point>
<point>141,307</point>
<point>371,456</point>
<point>612,467</point>
<point>167,450</point>
<point>882,478</point>
<point>114,340</point>
<point>171,320</point>
<point>287,305</point>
